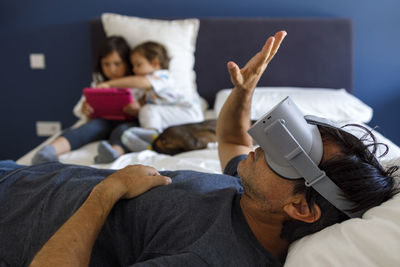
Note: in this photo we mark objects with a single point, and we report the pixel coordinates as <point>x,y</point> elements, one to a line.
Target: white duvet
<point>205,160</point>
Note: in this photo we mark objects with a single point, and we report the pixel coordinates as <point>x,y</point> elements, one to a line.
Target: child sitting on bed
<point>154,86</point>
<point>112,63</point>
<point>150,62</point>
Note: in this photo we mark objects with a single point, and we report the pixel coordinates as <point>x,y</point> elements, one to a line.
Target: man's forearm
<point>72,244</point>
<point>234,118</point>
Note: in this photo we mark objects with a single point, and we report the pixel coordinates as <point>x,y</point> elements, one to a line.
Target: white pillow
<point>373,240</point>
<point>178,36</point>
<point>334,104</point>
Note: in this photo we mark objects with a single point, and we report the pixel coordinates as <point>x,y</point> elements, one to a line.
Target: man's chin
<point>246,188</point>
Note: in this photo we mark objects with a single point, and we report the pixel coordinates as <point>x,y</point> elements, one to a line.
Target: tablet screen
<point>108,103</point>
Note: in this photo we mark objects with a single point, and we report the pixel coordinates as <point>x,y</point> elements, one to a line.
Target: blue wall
<point>59,29</point>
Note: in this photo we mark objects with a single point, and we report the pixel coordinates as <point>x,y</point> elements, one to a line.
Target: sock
<point>147,135</point>
<point>106,153</point>
<point>134,142</point>
<point>45,154</point>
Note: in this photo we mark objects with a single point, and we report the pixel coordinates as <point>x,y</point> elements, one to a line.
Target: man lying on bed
<point>62,215</point>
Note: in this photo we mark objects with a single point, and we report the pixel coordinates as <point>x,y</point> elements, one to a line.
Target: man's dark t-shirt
<point>195,221</point>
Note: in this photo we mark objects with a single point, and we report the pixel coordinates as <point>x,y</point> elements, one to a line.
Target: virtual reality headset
<point>293,149</point>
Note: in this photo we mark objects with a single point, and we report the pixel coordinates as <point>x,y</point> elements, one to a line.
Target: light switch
<point>37,61</point>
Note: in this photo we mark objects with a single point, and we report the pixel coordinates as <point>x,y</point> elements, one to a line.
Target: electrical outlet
<point>37,61</point>
<point>47,128</point>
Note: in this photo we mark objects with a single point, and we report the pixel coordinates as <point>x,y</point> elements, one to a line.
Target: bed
<point>314,67</point>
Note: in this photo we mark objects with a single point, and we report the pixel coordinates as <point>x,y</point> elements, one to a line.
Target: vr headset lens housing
<point>306,135</point>
<point>293,149</point>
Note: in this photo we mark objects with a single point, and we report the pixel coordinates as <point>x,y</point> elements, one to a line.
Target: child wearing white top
<point>156,90</point>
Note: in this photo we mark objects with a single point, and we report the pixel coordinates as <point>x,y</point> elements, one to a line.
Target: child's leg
<point>61,145</point>
<point>138,139</point>
<point>51,151</point>
<point>108,152</point>
<point>133,142</point>
<point>71,139</point>
<point>147,135</point>
<point>93,130</point>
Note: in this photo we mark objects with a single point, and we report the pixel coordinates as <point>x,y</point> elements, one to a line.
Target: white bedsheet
<point>205,160</point>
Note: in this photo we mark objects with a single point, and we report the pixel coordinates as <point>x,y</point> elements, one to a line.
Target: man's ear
<point>298,209</point>
<point>156,63</point>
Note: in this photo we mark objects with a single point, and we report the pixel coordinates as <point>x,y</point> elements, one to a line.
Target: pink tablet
<point>108,103</point>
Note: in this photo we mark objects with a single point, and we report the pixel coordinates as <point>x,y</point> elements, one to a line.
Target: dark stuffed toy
<point>186,137</point>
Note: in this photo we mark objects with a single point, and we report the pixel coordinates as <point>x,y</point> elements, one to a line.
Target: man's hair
<point>113,44</point>
<point>151,50</point>
<point>355,170</point>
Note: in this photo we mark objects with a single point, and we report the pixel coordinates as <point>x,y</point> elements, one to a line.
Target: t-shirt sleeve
<point>185,259</point>
<point>231,167</point>
<point>164,90</point>
<point>7,166</point>
<point>163,85</point>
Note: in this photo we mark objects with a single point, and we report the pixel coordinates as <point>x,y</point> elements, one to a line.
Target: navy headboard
<point>317,52</point>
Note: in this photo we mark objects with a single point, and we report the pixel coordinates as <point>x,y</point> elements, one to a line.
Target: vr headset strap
<point>313,175</point>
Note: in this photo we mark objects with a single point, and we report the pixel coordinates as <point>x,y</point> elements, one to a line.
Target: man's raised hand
<point>248,77</point>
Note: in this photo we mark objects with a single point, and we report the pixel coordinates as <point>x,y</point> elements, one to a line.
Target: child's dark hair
<point>355,170</point>
<point>114,44</point>
<point>151,50</point>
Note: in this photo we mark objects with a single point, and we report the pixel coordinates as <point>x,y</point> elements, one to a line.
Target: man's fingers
<point>145,170</point>
<point>144,184</point>
<point>153,171</point>
<point>248,76</point>
<point>161,180</point>
<point>266,50</point>
<point>232,67</point>
<point>279,36</point>
<point>152,181</point>
<point>234,71</point>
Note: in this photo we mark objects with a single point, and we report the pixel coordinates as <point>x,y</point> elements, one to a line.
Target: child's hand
<point>142,100</point>
<point>103,85</point>
<point>132,108</point>
<point>87,109</point>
